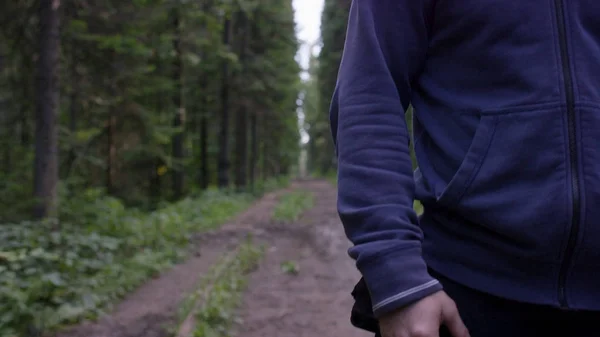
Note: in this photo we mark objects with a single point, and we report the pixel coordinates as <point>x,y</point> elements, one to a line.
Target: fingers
<point>425,328</point>
<point>422,328</point>
<point>424,319</point>
<point>423,331</point>
<point>451,319</point>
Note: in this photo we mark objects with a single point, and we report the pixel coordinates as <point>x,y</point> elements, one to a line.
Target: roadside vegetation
<point>56,273</point>
<point>292,205</point>
<point>211,310</point>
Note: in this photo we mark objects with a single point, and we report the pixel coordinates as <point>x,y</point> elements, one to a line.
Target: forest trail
<point>314,301</point>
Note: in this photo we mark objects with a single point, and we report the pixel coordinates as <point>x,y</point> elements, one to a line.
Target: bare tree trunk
<point>157,163</point>
<point>73,109</point>
<point>155,181</point>
<point>253,148</point>
<point>24,131</point>
<point>203,112</point>
<point>204,149</point>
<point>177,141</point>
<point>5,128</point>
<point>265,156</point>
<point>111,152</point>
<point>241,123</point>
<point>223,165</point>
<point>47,101</point>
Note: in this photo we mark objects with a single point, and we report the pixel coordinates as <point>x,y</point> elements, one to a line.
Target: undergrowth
<point>52,274</point>
<point>292,204</point>
<point>219,294</point>
<point>332,178</point>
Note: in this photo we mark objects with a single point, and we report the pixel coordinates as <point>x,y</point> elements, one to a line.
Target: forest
<point>127,127</point>
<point>319,88</point>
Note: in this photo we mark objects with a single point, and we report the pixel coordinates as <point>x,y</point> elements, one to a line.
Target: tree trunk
<point>24,130</point>
<point>265,156</point>
<point>223,164</point>
<point>73,108</point>
<point>241,123</point>
<point>111,128</point>
<point>157,163</point>
<point>203,112</point>
<point>47,101</point>
<point>253,148</point>
<point>111,151</point>
<point>204,149</point>
<point>177,141</point>
<point>6,129</point>
<point>241,138</point>
<point>155,169</point>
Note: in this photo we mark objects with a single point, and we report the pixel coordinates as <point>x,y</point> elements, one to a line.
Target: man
<point>507,137</point>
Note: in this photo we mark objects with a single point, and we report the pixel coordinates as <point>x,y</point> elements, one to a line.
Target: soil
<point>315,301</point>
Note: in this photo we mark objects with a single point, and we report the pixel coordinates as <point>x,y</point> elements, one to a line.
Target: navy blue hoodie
<point>506,97</point>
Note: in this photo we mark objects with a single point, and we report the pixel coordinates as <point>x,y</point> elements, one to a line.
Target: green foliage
<point>52,274</point>
<point>330,176</point>
<point>223,290</point>
<point>271,184</point>
<point>290,267</point>
<point>292,205</point>
<point>319,88</point>
<point>14,198</point>
<point>418,207</point>
<point>126,68</point>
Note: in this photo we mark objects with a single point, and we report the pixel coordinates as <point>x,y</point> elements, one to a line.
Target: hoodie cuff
<point>396,279</point>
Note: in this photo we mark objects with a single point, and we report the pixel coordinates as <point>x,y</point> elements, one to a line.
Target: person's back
<point>506,98</point>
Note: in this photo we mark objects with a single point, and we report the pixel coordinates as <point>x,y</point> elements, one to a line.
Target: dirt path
<point>316,301</point>
<point>148,311</point>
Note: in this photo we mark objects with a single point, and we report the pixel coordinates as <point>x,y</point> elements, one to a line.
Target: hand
<point>424,319</point>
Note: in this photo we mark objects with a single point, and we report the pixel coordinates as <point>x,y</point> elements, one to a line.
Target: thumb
<point>451,319</point>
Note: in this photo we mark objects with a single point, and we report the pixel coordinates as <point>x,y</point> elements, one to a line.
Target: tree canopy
<point>148,100</point>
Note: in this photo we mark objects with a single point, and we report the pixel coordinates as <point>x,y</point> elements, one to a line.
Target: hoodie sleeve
<point>384,50</point>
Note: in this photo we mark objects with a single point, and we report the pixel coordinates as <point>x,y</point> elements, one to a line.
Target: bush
<point>58,273</point>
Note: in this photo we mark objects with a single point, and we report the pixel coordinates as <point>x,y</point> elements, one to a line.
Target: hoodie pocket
<point>467,171</point>
<point>513,182</point>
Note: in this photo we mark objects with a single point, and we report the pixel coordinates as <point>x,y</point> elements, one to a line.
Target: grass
<point>418,207</point>
<point>332,178</point>
<point>211,309</point>
<point>292,205</point>
<point>55,274</point>
<point>290,267</point>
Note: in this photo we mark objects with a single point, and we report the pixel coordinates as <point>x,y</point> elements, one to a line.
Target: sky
<point>308,24</point>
